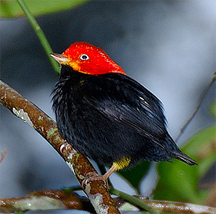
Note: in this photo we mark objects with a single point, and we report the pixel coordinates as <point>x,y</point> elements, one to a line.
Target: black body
<point>109,117</point>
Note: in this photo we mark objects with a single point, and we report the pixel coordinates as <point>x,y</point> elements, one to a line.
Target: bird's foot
<point>94,176</point>
<point>91,176</point>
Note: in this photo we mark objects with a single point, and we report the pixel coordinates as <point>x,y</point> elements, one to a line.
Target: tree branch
<point>46,200</point>
<point>96,190</point>
<point>170,206</point>
<point>67,200</point>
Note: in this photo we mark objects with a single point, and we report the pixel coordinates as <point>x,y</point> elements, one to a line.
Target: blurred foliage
<point>213,109</point>
<point>11,9</point>
<point>178,181</point>
<point>139,170</point>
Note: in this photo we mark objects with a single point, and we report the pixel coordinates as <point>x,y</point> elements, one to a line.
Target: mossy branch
<point>46,200</point>
<point>96,190</point>
<point>68,200</point>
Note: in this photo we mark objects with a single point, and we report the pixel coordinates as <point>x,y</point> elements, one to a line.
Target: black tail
<point>183,157</point>
<point>175,152</point>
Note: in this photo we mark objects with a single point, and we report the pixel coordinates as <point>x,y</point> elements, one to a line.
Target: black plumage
<point>110,117</point>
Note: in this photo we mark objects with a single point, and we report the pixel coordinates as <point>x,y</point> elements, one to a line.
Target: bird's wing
<point>127,102</point>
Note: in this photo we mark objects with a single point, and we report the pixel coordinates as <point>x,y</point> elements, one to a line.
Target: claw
<point>91,176</point>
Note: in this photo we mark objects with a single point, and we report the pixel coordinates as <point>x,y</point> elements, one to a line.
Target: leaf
<point>178,181</point>
<point>11,9</point>
<point>202,147</point>
<point>135,174</point>
<point>213,109</point>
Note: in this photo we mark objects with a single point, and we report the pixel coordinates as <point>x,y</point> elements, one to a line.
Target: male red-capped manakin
<point>106,115</point>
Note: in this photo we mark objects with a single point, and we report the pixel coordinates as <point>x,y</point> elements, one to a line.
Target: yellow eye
<point>84,57</point>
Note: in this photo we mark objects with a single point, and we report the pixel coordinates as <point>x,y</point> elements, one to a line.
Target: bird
<point>106,115</point>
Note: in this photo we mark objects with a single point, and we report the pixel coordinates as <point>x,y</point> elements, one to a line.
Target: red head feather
<point>88,59</point>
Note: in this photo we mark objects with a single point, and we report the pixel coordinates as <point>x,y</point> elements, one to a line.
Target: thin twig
<point>39,33</point>
<point>183,128</point>
<point>168,206</point>
<point>134,201</point>
<point>3,156</point>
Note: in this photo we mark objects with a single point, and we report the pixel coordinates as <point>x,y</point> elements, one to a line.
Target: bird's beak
<point>60,58</point>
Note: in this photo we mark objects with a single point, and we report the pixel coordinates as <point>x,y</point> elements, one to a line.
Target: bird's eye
<point>84,57</point>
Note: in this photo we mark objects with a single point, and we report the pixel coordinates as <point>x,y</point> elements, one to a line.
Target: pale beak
<point>60,58</point>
